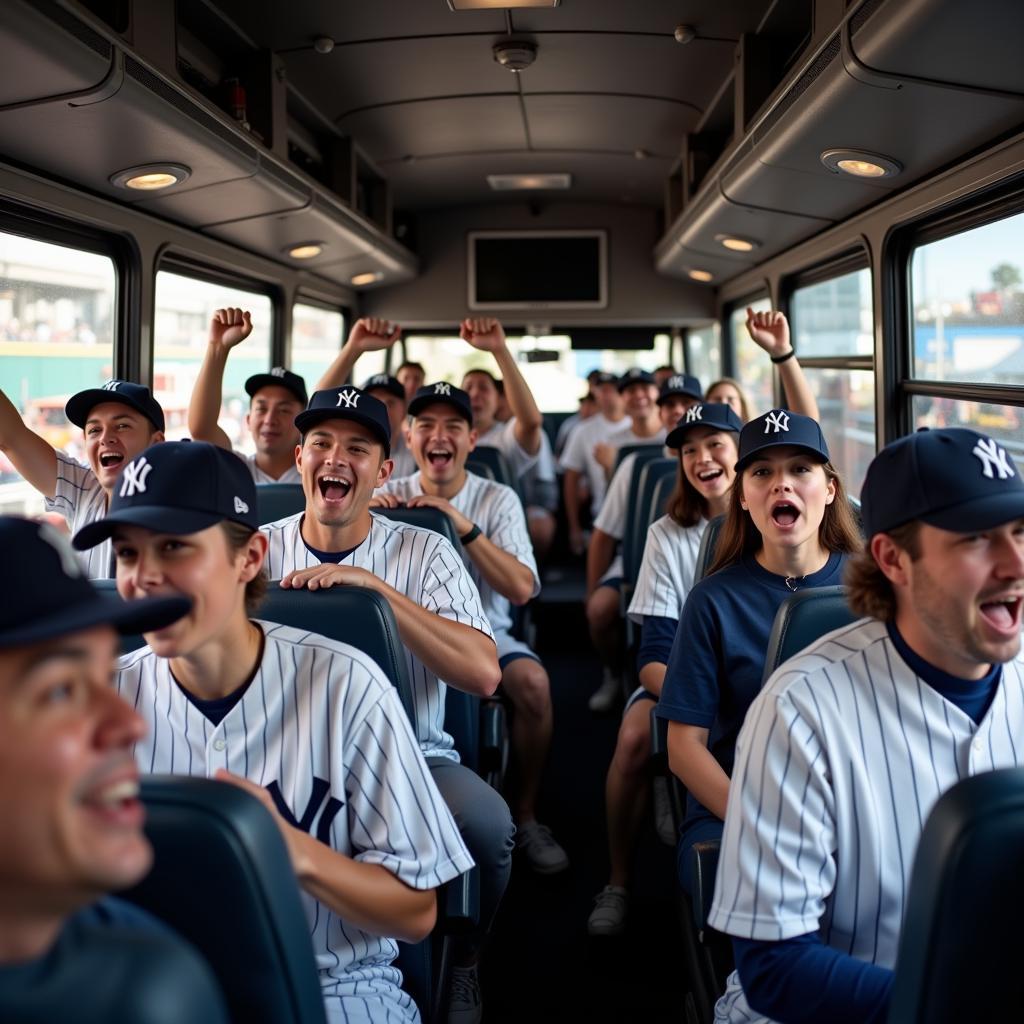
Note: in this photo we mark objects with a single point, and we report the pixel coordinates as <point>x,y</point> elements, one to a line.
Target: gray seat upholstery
<point>277,501</point>
<point>802,619</point>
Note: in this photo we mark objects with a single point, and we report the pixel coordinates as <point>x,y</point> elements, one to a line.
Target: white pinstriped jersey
<point>503,437</point>
<point>667,570</point>
<point>81,500</point>
<point>402,458</point>
<point>579,452</point>
<point>497,510</point>
<point>322,725</point>
<point>418,563</point>
<point>290,476</point>
<point>840,759</point>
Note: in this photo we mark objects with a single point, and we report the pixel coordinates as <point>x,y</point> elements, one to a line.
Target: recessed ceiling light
<point>492,5</point>
<point>737,243</point>
<point>370,277</point>
<point>305,250</point>
<point>151,177</point>
<point>860,164</point>
<point>701,275</point>
<point>528,182</point>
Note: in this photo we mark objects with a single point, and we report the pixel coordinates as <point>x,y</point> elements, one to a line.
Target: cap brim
<point>127,617</point>
<point>678,434</point>
<point>979,513</point>
<point>662,399</point>
<point>159,518</point>
<point>741,464</point>
<point>264,380</point>
<point>418,404</point>
<point>305,421</point>
<point>79,406</point>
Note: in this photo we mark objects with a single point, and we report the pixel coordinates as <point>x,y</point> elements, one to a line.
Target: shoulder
<point>282,525</point>
<point>136,659</point>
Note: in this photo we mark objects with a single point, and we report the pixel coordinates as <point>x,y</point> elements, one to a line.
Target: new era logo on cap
<point>240,506</point>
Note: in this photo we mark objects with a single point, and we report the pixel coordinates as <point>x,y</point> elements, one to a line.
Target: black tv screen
<point>523,270</point>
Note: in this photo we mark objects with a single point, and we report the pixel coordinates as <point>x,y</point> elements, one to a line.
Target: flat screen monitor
<point>538,270</point>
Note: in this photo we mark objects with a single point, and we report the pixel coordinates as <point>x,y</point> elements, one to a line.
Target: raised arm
<point>228,328</point>
<point>368,334</point>
<point>771,332</point>
<point>32,456</point>
<point>486,335</point>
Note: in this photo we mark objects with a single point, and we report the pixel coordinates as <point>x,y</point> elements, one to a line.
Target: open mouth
<point>117,802</point>
<point>111,460</point>
<point>439,457</point>
<point>334,488</point>
<point>1003,614</point>
<point>705,476</point>
<point>784,514</point>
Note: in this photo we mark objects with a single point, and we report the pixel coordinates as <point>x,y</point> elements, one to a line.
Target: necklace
<point>793,581</point>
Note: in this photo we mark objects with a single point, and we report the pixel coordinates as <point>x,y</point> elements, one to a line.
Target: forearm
<point>797,389</point>
<point>455,652</point>
<point>571,495</point>
<point>366,895</point>
<point>502,570</point>
<point>529,421</point>
<point>341,369</point>
<point>695,766</point>
<point>32,456</point>
<point>802,981</point>
<point>204,406</point>
<point>599,557</point>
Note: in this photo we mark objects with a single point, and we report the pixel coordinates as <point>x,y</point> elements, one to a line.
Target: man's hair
<point>868,590</point>
<point>744,400</point>
<point>237,537</point>
<point>410,366</point>
<point>499,385</point>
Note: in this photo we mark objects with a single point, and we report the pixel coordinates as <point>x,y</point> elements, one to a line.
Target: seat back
<point>640,511</point>
<point>802,619</point>
<point>427,518</point>
<point>708,543</point>
<point>959,950</point>
<point>663,488</point>
<point>276,501</point>
<point>222,877</point>
<point>494,459</point>
<point>648,450</point>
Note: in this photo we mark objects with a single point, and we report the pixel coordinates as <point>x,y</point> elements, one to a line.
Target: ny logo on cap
<point>676,382</point>
<point>240,506</point>
<point>694,414</point>
<point>379,378</point>
<point>349,399</point>
<point>134,482</point>
<point>443,389</point>
<point>111,385</point>
<point>992,457</point>
<point>776,421</point>
<point>277,371</point>
<point>68,562</point>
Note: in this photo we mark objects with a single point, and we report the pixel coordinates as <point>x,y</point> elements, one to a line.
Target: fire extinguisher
<point>236,103</point>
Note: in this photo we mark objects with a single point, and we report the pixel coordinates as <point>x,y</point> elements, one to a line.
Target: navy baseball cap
<point>953,478</point>
<point>681,384</point>
<point>448,394</point>
<point>135,396</point>
<point>635,376</point>
<point>715,415</point>
<point>386,382</point>
<point>278,377</point>
<point>778,428</point>
<point>348,403</point>
<point>598,377</point>
<point>178,487</point>
<point>50,595</point>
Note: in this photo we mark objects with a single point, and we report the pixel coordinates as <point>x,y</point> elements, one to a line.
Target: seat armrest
<point>659,738</point>
<point>460,902</point>
<point>705,866</point>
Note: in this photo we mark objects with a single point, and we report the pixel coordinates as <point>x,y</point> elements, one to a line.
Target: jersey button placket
<point>219,743</point>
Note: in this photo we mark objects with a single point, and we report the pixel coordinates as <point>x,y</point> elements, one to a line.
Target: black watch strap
<point>468,538</point>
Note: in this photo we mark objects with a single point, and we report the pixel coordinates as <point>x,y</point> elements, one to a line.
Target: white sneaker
<point>607,694</point>
<point>464,1003</point>
<point>609,914</point>
<point>664,826</point>
<point>546,857</point>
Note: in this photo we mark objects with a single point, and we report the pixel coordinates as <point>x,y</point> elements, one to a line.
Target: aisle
<point>540,942</point>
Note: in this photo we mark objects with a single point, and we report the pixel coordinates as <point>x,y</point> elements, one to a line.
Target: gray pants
<point>485,823</point>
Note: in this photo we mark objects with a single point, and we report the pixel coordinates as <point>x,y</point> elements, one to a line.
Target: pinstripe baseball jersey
<point>418,563</point>
<point>841,758</point>
<point>497,510</point>
<point>535,473</point>
<point>81,500</point>
<point>503,437</point>
<point>579,452</point>
<point>322,729</point>
<point>402,458</point>
<point>667,570</point>
<point>290,476</point>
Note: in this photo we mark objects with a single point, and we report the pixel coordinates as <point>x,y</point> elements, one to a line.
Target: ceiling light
<point>370,277</point>
<point>305,250</point>
<point>860,164</point>
<point>528,182</point>
<point>494,5</point>
<point>151,177</point>
<point>515,54</point>
<point>701,275</point>
<point>684,34</point>
<point>736,243</point>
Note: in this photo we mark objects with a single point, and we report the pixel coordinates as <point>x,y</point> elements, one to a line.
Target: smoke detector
<point>515,54</point>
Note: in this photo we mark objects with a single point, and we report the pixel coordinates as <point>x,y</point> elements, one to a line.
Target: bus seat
<point>640,512</point>
<point>222,878</point>
<point>277,501</point>
<point>647,450</point>
<point>498,464</point>
<point>479,468</point>
<point>959,948</point>
<point>706,551</point>
<point>659,759</point>
<point>120,974</point>
<point>663,488</point>
<point>802,619</point>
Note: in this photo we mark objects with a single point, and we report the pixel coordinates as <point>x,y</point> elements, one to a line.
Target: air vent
<point>528,182</point>
<point>74,27</point>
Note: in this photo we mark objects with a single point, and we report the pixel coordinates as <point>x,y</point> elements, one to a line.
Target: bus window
<point>704,354</point>
<point>968,302</point>
<point>831,324</point>
<point>1005,423</point>
<point>750,365</point>
<point>57,323</point>
<point>184,306</point>
<point>317,335</point>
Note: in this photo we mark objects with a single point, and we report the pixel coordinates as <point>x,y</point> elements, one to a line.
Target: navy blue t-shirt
<point>717,661</point>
